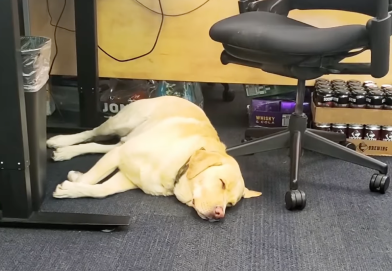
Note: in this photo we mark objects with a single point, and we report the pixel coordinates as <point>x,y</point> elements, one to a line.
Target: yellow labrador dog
<point>168,147</point>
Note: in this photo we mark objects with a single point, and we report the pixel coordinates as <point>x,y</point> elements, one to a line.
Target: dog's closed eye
<point>223,184</point>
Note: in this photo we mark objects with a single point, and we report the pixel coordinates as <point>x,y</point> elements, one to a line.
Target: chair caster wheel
<point>295,200</point>
<point>349,145</point>
<point>227,95</point>
<point>379,183</point>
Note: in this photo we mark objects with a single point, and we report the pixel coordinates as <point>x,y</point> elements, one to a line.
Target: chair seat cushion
<point>270,32</point>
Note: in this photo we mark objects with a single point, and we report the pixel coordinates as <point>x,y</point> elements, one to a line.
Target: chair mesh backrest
<point>367,7</point>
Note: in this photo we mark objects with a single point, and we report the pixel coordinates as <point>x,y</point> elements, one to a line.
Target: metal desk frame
<point>16,201</point>
<point>87,73</point>
<point>87,61</point>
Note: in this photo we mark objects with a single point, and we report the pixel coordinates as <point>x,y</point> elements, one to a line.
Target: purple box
<point>273,113</point>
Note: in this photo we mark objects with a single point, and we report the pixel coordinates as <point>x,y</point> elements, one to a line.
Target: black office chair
<point>263,37</point>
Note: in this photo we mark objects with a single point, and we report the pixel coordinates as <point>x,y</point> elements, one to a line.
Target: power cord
<point>172,15</point>
<point>166,15</point>
<point>57,49</point>
<point>55,31</point>
<point>51,19</point>
<point>153,47</point>
<point>106,53</point>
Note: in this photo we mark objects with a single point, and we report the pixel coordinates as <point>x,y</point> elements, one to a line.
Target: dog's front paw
<point>73,176</point>
<point>68,189</point>
<point>63,154</point>
<point>58,141</point>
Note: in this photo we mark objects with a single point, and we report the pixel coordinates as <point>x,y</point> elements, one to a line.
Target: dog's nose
<point>219,212</point>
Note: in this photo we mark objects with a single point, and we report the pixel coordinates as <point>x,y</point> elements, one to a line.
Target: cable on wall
<point>103,50</point>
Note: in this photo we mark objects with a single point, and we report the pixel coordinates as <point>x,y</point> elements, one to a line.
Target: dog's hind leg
<point>116,184</point>
<point>66,153</point>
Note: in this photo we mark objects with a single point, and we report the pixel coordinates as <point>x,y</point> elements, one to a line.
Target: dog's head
<point>212,183</point>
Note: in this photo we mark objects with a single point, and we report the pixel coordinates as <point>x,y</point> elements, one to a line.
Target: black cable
<point>172,15</point>
<point>106,53</point>
<point>55,32</point>
<point>168,15</point>
<point>51,19</point>
<point>57,49</point>
<point>153,47</point>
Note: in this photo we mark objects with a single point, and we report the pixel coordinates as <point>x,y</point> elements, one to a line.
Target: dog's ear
<point>201,160</point>
<point>250,194</point>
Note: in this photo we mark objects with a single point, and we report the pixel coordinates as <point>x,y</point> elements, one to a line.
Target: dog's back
<point>143,115</point>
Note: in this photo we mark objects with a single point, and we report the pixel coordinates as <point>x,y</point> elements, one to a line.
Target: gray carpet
<point>344,226</point>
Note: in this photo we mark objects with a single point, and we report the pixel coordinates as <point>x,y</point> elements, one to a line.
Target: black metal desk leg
<point>15,192</point>
<point>87,61</point>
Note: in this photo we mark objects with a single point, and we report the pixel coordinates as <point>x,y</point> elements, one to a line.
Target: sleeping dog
<point>167,147</point>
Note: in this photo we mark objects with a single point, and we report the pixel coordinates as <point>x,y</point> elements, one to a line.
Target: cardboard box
<point>358,116</point>
<point>351,115</point>
<point>373,147</point>
<point>273,113</point>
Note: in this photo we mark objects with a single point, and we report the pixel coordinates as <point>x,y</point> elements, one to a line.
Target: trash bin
<point>36,53</point>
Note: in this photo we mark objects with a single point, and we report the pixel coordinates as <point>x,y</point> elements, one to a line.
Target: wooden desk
<point>184,51</point>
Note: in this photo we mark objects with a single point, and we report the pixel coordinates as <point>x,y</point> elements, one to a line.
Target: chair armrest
<point>281,7</point>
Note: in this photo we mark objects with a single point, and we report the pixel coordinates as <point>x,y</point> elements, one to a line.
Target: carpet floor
<point>343,227</point>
